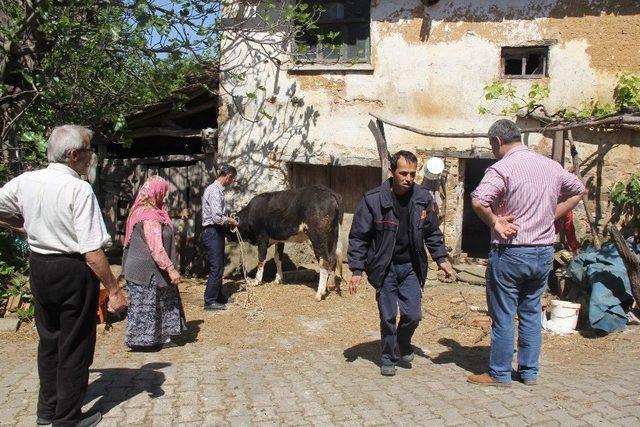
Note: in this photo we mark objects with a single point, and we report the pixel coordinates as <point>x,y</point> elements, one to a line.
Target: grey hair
<point>506,130</point>
<point>64,139</point>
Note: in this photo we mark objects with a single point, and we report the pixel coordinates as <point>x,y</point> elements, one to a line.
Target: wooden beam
<point>158,131</point>
<point>576,169</point>
<point>630,260</point>
<point>377,129</point>
<point>429,133</point>
<point>174,158</point>
<point>468,154</point>
<point>607,122</point>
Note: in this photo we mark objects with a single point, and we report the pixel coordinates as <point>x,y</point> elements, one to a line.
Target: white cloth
<point>60,211</point>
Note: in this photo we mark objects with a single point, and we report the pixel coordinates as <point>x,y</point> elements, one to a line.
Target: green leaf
<point>119,124</point>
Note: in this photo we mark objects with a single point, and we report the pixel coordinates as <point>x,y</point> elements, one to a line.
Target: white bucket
<point>565,314</point>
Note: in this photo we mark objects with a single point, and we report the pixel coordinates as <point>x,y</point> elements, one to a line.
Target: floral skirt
<point>154,314</point>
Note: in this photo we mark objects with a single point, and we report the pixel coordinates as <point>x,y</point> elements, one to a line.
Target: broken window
<point>525,62</point>
<point>341,33</point>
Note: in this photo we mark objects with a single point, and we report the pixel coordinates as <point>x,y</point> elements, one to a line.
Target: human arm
<point>10,215</point>
<point>571,186</point>
<point>566,206</point>
<point>12,222</point>
<point>98,263</point>
<point>359,241</point>
<point>92,235</point>
<point>152,231</point>
<point>492,188</point>
<point>502,225</point>
<point>434,241</point>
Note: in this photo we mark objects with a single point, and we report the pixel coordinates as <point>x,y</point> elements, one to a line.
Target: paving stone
<point>231,384</point>
<point>563,417</point>
<point>628,421</point>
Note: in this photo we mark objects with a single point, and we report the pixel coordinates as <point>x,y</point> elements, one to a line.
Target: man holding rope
<point>215,221</point>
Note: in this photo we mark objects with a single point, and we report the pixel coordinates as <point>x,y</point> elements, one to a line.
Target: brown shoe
<point>485,379</point>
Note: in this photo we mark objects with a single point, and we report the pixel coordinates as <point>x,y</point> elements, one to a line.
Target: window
<point>525,62</point>
<point>342,33</point>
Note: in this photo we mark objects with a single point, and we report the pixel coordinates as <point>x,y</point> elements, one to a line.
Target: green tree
<point>93,62</point>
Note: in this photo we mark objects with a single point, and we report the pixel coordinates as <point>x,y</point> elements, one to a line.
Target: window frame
<point>507,52</point>
<point>314,55</point>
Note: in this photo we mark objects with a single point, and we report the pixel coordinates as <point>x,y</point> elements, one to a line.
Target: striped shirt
<point>527,185</point>
<point>214,211</point>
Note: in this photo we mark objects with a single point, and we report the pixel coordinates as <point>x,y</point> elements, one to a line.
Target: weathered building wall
<point>429,66</point>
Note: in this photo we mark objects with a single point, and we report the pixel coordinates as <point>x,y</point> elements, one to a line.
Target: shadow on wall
<point>266,120</point>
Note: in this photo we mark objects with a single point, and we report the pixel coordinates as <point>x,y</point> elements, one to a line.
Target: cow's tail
<point>338,248</point>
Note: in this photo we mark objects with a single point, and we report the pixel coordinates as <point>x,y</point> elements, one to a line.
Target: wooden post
<point>377,129</point>
<point>576,169</point>
<point>631,262</point>
<point>557,150</point>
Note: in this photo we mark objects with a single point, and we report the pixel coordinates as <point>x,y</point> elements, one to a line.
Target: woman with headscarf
<point>155,311</point>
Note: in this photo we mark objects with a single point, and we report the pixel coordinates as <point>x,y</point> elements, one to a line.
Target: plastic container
<point>565,314</point>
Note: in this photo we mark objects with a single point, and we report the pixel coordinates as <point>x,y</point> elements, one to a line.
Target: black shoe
<point>215,306</point>
<point>41,421</point>
<point>145,348</point>
<point>90,421</point>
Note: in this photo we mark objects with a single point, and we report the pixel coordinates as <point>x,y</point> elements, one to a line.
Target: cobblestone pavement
<point>234,382</point>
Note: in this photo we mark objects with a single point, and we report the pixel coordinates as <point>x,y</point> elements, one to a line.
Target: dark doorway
<point>475,234</point>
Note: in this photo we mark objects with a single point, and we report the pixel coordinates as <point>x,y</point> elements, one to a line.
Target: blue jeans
<point>213,242</point>
<point>400,288</point>
<point>516,279</point>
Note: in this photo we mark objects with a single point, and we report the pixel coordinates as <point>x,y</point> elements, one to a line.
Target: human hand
<point>504,227</point>
<point>353,284</point>
<point>117,301</point>
<point>448,269</point>
<point>231,222</point>
<point>174,276</point>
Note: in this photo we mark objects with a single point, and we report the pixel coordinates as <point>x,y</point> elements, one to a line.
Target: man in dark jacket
<point>391,225</point>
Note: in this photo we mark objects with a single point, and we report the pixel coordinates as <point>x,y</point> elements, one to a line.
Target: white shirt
<point>60,211</point>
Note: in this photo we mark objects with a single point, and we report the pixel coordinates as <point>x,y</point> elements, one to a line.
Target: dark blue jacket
<point>373,233</point>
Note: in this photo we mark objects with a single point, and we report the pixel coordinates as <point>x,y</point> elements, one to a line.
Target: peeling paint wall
<point>428,69</point>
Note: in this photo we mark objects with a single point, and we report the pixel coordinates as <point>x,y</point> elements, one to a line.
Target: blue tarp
<point>603,275</point>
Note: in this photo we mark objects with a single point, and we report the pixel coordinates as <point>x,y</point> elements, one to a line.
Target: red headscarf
<point>149,205</point>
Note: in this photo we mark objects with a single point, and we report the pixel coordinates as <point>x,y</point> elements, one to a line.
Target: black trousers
<point>65,292</point>
<point>213,242</point>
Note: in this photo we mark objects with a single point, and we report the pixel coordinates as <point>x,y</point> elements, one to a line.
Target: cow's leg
<point>263,245</point>
<point>324,278</point>
<point>318,238</point>
<point>277,257</point>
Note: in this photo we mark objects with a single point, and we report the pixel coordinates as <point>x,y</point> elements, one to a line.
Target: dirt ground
<point>289,320</point>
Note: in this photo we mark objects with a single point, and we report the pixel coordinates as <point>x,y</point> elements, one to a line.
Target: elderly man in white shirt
<point>65,231</point>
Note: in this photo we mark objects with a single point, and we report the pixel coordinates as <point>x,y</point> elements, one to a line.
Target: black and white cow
<point>308,213</point>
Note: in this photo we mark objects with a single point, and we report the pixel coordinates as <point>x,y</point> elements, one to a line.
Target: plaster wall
<point>429,66</point>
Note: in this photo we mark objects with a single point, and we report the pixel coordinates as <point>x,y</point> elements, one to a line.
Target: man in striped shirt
<point>215,221</point>
<point>518,199</point>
